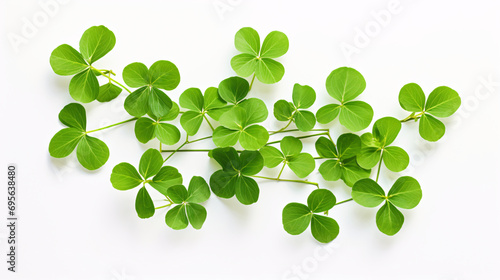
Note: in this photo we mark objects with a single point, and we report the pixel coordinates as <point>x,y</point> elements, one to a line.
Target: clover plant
<point>239,144</point>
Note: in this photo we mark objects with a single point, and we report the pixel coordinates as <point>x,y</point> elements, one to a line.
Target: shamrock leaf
<point>239,122</point>
<point>375,146</point>
<point>442,102</point>
<point>341,163</point>
<point>147,128</point>
<point>199,105</point>
<point>149,97</point>
<point>189,210</point>
<point>126,177</point>
<point>257,59</point>
<point>303,97</point>
<point>302,164</point>
<point>297,216</point>
<point>234,177</point>
<point>405,193</point>
<point>344,84</point>
<point>95,42</point>
<point>91,152</point>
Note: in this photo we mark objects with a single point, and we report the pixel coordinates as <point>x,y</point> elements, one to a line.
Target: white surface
<point>74,225</point>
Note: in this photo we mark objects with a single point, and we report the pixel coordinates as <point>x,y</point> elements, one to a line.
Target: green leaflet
<point>375,146</point>
<point>149,97</point>
<point>108,92</point>
<point>303,97</point>
<point>95,42</point>
<point>144,205</point>
<point>91,152</point>
<point>341,163</point>
<point>344,84</point>
<point>405,193</point>
<point>296,217</point>
<point>147,129</point>
<point>259,60</point>
<point>442,102</point>
<point>233,179</point>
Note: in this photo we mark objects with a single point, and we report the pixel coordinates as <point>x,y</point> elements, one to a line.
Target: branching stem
<point>102,128</point>
<point>287,180</point>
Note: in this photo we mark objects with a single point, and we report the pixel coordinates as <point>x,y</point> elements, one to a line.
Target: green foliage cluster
<point>242,144</point>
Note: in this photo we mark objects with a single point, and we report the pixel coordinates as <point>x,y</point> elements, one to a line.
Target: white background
<point>74,225</point>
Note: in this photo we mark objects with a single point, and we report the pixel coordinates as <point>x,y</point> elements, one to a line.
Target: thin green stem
<point>185,150</point>
<point>102,128</point>
<point>379,165</point>
<point>281,171</point>
<point>176,150</point>
<point>287,180</point>
<point>299,137</point>
<point>282,129</point>
<point>164,206</point>
<point>251,83</point>
<point>111,79</point>
<point>412,116</point>
<point>200,139</point>
<point>343,201</point>
<point>205,117</point>
<point>318,158</point>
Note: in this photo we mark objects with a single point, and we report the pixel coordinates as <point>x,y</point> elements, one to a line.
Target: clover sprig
<point>243,146</point>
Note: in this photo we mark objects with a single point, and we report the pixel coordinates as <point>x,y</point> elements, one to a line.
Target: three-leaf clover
<point>199,105</point>
<point>91,152</point>
<point>149,128</point>
<point>95,42</point>
<point>257,59</point>
<point>442,102</point>
<point>149,98</point>
<point>405,193</point>
<point>341,163</point>
<point>302,164</point>
<point>303,97</point>
<point>233,178</point>
<point>375,146</point>
<point>345,84</point>
<point>297,216</point>
<point>239,122</point>
<point>125,177</point>
<point>188,209</point>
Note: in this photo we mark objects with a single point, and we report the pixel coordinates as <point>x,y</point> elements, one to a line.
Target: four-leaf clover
<point>233,178</point>
<point>149,98</point>
<point>442,102</point>
<point>188,209</point>
<point>375,146</point>
<point>303,97</point>
<point>91,152</point>
<point>257,59</point>
<point>345,84</point>
<point>302,164</point>
<point>341,163</point>
<point>125,177</point>
<point>297,216</point>
<point>405,193</point>
<point>96,42</point>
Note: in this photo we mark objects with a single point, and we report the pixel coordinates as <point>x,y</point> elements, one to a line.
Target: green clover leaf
<point>296,217</point>
<point>341,159</point>
<point>91,152</point>
<point>302,164</point>
<point>95,42</point>
<point>189,210</point>
<point>146,129</point>
<point>344,84</point>
<point>405,193</point>
<point>303,97</point>
<point>375,146</point>
<point>442,102</point>
<point>126,177</point>
<point>233,179</point>
<point>149,98</point>
<point>257,59</point>
<point>238,124</point>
